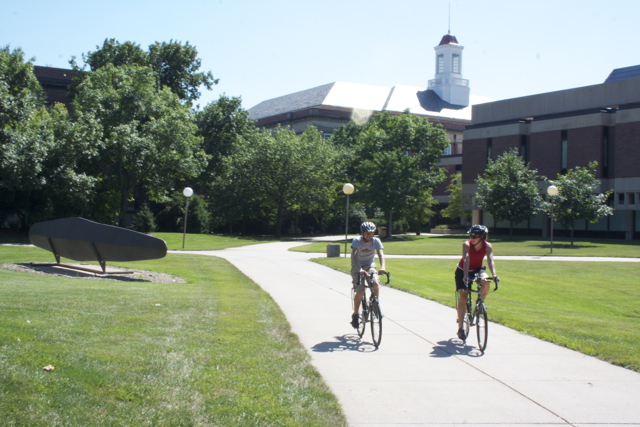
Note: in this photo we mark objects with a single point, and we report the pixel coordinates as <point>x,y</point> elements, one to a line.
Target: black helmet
<point>479,230</point>
<point>367,226</point>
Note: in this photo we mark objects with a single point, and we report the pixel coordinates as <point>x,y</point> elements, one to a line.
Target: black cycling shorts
<point>460,276</point>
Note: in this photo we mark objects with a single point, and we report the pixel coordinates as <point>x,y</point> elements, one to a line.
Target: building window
<point>621,198</point>
<point>563,162</point>
<point>326,135</point>
<point>447,151</point>
<point>440,64</point>
<point>605,152</point>
<point>456,63</point>
<point>632,198</point>
<point>523,148</point>
<point>489,147</point>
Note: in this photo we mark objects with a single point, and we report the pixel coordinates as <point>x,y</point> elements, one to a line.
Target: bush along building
<point>557,131</point>
<point>446,101</point>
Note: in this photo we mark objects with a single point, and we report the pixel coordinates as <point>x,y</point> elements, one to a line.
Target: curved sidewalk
<point>421,374</point>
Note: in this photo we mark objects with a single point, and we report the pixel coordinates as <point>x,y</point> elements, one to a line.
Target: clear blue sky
<point>261,49</point>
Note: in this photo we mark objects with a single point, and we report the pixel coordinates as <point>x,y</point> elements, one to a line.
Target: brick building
<point>55,82</point>
<point>446,101</point>
<point>558,131</point>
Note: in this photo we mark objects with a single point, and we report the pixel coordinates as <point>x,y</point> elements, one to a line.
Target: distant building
<point>558,131</point>
<point>55,82</point>
<point>446,101</point>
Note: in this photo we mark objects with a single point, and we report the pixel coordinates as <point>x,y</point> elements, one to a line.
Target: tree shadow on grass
<point>347,342</point>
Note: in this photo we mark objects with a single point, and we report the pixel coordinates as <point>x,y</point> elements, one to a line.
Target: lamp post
<point>188,192</point>
<point>347,189</point>
<point>552,190</point>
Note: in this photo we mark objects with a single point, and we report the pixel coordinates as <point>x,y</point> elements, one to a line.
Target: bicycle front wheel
<point>362,317</point>
<point>376,322</point>
<point>481,326</point>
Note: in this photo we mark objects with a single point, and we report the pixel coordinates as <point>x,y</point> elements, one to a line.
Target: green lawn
<point>591,307</point>
<point>209,242</point>
<point>502,245</point>
<point>213,351</point>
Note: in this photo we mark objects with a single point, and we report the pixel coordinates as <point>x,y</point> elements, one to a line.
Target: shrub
<point>144,221</point>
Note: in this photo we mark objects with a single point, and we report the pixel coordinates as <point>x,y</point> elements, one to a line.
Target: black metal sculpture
<point>82,240</point>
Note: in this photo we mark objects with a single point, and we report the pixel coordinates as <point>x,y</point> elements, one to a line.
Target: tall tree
<point>146,136</point>
<point>176,65</point>
<point>220,124</point>
<point>41,156</point>
<point>576,198</point>
<point>395,161</point>
<point>509,189</point>
<point>281,169</point>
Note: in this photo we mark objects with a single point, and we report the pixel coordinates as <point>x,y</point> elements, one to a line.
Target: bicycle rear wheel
<point>376,322</point>
<point>481,327</point>
<point>362,317</point>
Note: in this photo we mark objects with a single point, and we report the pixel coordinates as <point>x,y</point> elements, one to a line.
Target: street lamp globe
<point>348,189</point>
<point>552,190</point>
<point>188,192</point>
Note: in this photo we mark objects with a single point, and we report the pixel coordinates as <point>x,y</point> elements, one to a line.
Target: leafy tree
<point>41,156</point>
<point>419,208</point>
<point>454,209</point>
<point>395,161</point>
<point>175,65</point>
<point>509,189</point>
<point>576,198</point>
<point>170,215</point>
<point>220,123</point>
<point>145,137</point>
<point>281,169</point>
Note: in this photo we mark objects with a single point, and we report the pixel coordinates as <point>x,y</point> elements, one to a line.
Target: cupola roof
<point>448,39</point>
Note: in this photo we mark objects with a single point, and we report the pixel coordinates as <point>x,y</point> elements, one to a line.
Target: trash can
<point>333,250</point>
<point>382,232</point>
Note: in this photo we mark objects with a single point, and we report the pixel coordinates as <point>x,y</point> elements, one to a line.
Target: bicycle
<point>370,310</point>
<point>478,317</point>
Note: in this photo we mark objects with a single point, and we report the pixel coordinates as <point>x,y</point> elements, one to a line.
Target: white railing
<point>456,82</point>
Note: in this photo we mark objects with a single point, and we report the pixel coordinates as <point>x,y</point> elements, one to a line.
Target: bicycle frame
<point>370,309</point>
<point>479,314</point>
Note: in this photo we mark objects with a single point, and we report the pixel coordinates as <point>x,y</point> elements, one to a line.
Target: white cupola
<point>448,82</point>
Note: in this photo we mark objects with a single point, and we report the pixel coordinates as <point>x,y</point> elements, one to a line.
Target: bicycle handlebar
<point>388,274</point>
<point>477,278</point>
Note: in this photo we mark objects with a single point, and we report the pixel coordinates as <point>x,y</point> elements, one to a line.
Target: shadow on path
<point>454,347</point>
<point>347,342</point>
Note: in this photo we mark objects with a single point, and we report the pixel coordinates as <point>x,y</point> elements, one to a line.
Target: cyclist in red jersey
<point>473,252</point>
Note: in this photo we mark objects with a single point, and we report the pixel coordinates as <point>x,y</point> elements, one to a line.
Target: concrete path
<point>421,374</point>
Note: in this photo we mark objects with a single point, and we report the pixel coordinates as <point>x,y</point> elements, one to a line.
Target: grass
<point>209,242</point>
<point>502,245</point>
<point>213,351</point>
<point>589,307</point>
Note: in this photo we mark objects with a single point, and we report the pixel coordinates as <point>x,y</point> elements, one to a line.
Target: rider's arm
<point>356,258</point>
<point>492,265</point>
<point>383,269</point>
<point>466,260</point>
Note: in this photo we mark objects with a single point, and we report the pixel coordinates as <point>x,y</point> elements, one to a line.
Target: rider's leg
<point>376,280</point>
<point>486,285</point>
<point>462,306</point>
<point>357,299</point>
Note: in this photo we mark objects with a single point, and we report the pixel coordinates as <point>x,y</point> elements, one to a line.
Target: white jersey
<point>366,251</point>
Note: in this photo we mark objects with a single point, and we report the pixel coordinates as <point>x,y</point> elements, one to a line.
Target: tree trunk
<point>124,201</point>
<point>571,235</point>
<point>390,225</point>
<point>279,221</point>
<point>417,228</point>
<point>295,224</point>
